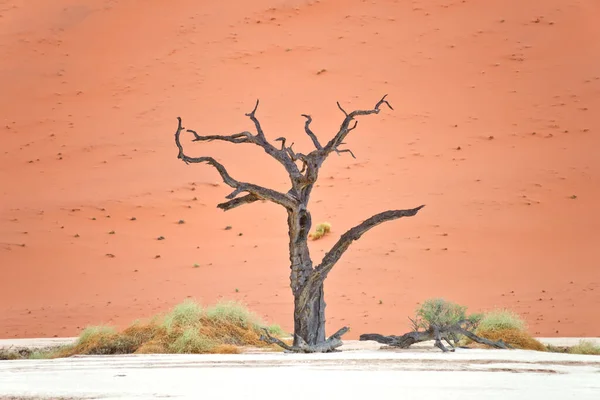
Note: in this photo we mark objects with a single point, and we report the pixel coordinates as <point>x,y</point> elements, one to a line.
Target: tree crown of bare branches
<point>302,178</point>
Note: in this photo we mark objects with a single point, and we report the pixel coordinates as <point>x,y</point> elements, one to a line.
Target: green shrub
<point>182,315</point>
<point>439,312</point>
<point>502,319</point>
<point>234,313</point>
<point>277,330</point>
<point>191,341</point>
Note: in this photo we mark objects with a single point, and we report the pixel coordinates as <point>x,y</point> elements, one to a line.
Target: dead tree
<point>448,334</point>
<point>303,170</point>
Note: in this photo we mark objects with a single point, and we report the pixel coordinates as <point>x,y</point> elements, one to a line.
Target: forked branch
<point>345,126</point>
<point>255,192</point>
<point>281,155</point>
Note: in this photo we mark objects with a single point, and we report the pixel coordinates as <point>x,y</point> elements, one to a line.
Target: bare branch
<point>353,234</point>
<point>280,155</point>
<point>437,336</point>
<point>209,160</point>
<point>477,339</point>
<point>273,340</point>
<point>242,137</point>
<point>247,199</point>
<point>330,345</point>
<point>234,194</point>
<point>340,107</point>
<point>345,151</point>
<point>310,133</point>
<point>345,127</point>
<point>282,140</point>
<point>296,156</point>
<point>435,333</point>
<point>353,127</point>
<point>339,333</point>
<point>259,130</point>
<point>257,191</point>
<point>403,342</point>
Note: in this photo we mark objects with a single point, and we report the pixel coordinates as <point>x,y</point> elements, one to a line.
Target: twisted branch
<point>338,249</point>
<point>281,155</point>
<point>345,127</point>
<point>256,192</point>
<point>242,137</point>
<point>436,333</point>
<point>310,133</point>
<point>259,130</point>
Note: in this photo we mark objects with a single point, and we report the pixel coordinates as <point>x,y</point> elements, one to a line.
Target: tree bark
<point>309,312</point>
<point>309,318</point>
<point>403,342</point>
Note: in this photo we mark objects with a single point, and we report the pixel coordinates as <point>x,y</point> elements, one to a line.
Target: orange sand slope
<point>496,128</point>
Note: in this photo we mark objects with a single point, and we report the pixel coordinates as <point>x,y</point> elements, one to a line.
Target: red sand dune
<point>496,128</point>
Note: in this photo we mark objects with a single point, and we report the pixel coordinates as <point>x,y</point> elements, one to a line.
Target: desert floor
<point>360,371</point>
<point>496,128</point>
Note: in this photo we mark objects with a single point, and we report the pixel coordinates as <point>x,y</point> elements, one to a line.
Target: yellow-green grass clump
<point>225,327</point>
<point>320,231</point>
<point>509,327</point>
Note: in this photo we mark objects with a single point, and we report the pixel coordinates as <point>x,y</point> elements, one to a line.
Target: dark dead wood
<point>252,117</point>
<point>310,133</point>
<point>345,128</point>
<point>500,344</point>
<point>247,199</point>
<point>328,346</point>
<point>243,137</point>
<point>257,192</point>
<point>339,152</point>
<point>403,342</point>
<point>259,139</point>
<point>437,334</point>
<point>340,247</point>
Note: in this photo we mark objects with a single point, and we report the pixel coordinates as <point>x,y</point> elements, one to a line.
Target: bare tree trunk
<point>309,312</point>
<point>309,319</point>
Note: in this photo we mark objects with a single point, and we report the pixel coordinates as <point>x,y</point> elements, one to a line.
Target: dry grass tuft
<point>321,230</point>
<point>226,349</point>
<point>508,326</point>
<point>520,339</point>
<point>501,319</point>
<point>585,347</point>
<point>11,354</point>
<point>223,328</point>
